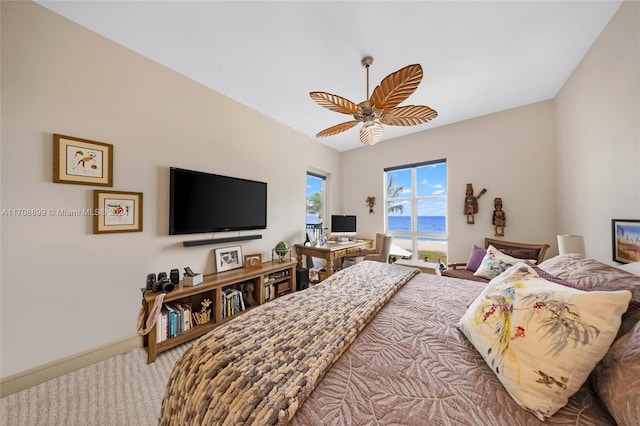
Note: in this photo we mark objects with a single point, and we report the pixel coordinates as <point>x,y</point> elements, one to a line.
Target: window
<point>416,213</point>
<point>315,200</point>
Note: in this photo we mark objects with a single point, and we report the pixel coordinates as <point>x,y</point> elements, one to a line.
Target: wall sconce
<point>371,201</point>
<point>571,244</point>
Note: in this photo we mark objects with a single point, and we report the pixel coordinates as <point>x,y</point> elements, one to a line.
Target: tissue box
<point>192,281</point>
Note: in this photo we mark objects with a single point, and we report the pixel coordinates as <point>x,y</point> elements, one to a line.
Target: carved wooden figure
<point>499,218</point>
<point>471,203</point>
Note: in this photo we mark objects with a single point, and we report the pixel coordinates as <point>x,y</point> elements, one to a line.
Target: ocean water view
<point>426,224</point>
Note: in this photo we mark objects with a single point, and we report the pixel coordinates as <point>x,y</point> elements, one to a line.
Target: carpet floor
<point>122,390</point>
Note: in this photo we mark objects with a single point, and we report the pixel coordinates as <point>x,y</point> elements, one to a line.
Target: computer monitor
<point>343,226</point>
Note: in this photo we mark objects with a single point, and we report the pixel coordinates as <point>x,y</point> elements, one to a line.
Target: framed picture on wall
<point>81,161</point>
<point>228,258</point>
<point>116,211</point>
<point>625,237</point>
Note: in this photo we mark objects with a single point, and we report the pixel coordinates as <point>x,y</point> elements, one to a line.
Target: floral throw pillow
<point>541,339</point>
<point>494,263</point>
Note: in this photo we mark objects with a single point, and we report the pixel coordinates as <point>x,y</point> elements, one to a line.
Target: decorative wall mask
<point>371,201</point>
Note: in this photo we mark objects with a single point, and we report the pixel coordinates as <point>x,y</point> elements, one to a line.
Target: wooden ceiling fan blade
<point>370,133</point>
<point>396,87</point>
<point>335,103</point>
<point>409,115</point>
<point>338,128</point>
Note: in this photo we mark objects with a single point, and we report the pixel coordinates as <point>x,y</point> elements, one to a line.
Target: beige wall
<point>598,133</point>
<point>509,153</point>
<point>65,290</point>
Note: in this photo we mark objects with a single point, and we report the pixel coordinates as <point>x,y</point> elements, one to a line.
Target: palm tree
<point>393,191</point>
<point>314,204</point>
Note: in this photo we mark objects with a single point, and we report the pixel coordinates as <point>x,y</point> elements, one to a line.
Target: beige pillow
<point>616,378</point>
<point>494,263</point>
<point>541,339</point>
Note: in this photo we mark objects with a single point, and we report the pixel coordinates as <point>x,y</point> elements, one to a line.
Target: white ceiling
<point>478,57</point>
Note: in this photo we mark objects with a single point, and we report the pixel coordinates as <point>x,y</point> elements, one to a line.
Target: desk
<point>332,251</point>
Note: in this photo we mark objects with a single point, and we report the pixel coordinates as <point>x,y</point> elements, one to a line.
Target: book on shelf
<point>161,325</point>
<point>187,316</point>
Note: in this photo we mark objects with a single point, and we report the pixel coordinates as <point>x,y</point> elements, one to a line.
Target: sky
<point>313,185</point>
<point>431,180</point>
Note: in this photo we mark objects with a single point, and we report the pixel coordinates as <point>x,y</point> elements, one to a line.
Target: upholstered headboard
<point>519,250</point>
<point>527,251</point>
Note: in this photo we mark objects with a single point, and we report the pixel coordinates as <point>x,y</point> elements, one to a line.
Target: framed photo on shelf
<point>625,240</point>
<point>81,161</point>
<point>228,258</point>
<point>252,261</point>
<point>116,211</point>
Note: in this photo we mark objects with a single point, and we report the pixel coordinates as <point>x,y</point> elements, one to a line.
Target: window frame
<point>414,201</point>
<point>323,192</point>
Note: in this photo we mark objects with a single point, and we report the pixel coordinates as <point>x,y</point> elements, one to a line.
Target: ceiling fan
<point>381,108</point>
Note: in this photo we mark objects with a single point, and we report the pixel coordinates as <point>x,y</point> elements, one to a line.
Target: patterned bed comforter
<point>260,367</point>
<point>412,366</point>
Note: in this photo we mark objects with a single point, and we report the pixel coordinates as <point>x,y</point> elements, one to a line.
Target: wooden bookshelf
<point>281,275</point>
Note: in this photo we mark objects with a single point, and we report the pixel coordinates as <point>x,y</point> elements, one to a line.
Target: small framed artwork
<point>116,211</point>
<point>253,261</point>
<point>625,237</point>
<point>228,258</point>
<point>81,161</point>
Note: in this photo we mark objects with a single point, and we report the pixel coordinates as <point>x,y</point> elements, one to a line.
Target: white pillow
<point>541,339</point>
<point>494,263</point>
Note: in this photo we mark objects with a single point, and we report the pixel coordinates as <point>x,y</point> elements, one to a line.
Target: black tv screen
<point>204,202</point>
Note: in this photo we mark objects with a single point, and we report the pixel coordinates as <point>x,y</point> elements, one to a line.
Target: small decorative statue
<point>499,218</point>
<point>371,201</point>
<point>204,316</point>
<point>471,203</point>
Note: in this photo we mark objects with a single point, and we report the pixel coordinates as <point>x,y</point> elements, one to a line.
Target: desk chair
<point>380,253</point>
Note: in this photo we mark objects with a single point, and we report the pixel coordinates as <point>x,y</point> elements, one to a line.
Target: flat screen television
<point>343,225</point>
<point>203,202</point>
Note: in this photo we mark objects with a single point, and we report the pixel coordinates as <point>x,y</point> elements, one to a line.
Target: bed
<point>397,353</point>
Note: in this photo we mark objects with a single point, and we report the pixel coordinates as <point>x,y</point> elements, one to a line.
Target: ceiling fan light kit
<point>381,108</point>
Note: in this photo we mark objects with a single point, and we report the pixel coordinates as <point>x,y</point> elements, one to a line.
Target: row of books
<point>174,319</point>
<point>232,302</point>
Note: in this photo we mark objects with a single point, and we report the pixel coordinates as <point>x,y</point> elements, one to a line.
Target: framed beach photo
<point>253,261</point>
<point>81,161</point>
<point>116,211</point>
<point>228,258</point>
<point>625,237</point>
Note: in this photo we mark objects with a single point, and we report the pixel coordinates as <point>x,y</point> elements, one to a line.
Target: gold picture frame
<point>253,261</point>
<point>81,161</point>
<point>116,211</point>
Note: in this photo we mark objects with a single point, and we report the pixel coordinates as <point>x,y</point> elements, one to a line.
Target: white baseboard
<point>26,379</point>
